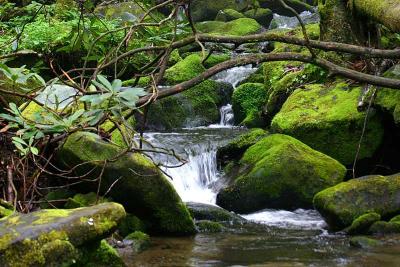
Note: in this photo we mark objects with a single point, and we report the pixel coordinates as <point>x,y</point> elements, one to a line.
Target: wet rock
<point>362,223</point>
<point>237,27</point>
<point>139,241</point>
<point>205,226</point>
<point>342,204</point>
<point>326,118</point>
<point>200,211</point>
<point>55,237</point>
<point>279,172</point>
<point>228,15</point>
<point>363,242</point>
<point>234,150</point>
<point>262,15</point>
<point>141,188</point>
<point>384,228</point>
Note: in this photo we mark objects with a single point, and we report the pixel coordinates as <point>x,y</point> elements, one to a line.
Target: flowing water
<point>270,237</point>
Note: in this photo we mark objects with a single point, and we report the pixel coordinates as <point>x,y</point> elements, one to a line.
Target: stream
<point>273,237</point>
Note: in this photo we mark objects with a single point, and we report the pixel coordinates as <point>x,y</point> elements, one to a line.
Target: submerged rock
<point>139,241</point>
<point>326,118</point>
<point>279,172</point>
<point>206,226</point>
<point>55,237</point>
<point>200,211</point>
<point>363,242</point>
<point>141,187</point>
<point>342,204</point>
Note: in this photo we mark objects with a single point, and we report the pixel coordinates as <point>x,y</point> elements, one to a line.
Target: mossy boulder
<point>139,240</point>
<point>34,239</point>
<point>99,254</point>
<point>205,226</point>
<point>362,223</point>
<point>194,107</point>
<point>84,200</point>
<point>384,228</point>
<point>340,205</point>
<point>130,224</point>
<point>141,187</point>
<point>326,118</point>
<point>279,172</point>
<point>237,27</point>
<point>282,78</point>
<point>234,149</point>
<point>247,102</point>
<point>6,208</point>
<point>387,99</point>
<point>208,9</point>
<point>200,211</point>
<point>228,15</point>
<point>277,7</point>
<point>262,15</point>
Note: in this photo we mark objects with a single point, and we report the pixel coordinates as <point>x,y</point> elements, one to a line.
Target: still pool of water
<point>265,246</point>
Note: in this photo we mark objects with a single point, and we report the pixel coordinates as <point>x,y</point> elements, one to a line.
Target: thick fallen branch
<point>258,58</point>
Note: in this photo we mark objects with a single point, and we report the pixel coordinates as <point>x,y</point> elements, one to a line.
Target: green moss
<point>261,15</point>
<point>384,228</point>
<point>209,226</point>
<point>247,102</point>
<point>326,118</point>
<point>388,99</point>
<point>130,224</point>
<point>342,204</point>
<point>52,199</point>
<point>228,15</point>
<point>99,254</point>
<point>84,200</point>
<point>276,167</point>
<point>185,69</point>
<point>395,219</point>
<point>208,9</point>
<point>238,27</point>
<point>194,107</point>
<point>235,148</point>
<point>6,208</point>
<point>140,240</point>
<point>363,242</point>
<point>362,223</point>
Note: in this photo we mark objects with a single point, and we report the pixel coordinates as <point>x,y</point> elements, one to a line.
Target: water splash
<point>298,219</point>
<point>283,22</point>
<point>235,75</point>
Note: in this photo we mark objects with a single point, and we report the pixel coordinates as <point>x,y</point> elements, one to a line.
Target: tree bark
<point>386,12</point>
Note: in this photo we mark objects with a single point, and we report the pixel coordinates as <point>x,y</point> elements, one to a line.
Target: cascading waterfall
<point>199,180</point>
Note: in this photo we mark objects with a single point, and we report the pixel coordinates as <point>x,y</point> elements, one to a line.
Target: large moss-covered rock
<point>262,15</point>
<point>388,99</point>
<point>247,102</point>
<point>207,9</point>
<point>279,172</point>
<point>228,15</point>
<point>237,27</point>
<point>194,107</point>
<point>384,228</point>
<point>342,204</point>
<point>235,148</point>
<point>141,187</point>
<point>326,118</point>
<point>55,237</point>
